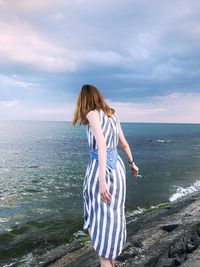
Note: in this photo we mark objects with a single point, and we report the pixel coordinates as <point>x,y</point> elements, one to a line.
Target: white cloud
<point>14,81</point>
<point>107,57</point>
<point>176,107</point>
<point>55,113</point>
<point>58,16</point>
<point>49,110</point>
<point>9,103</point>
<point>25,84</point>
<point>27,5</point>
<point>22,110</point>
<point>20,43</point>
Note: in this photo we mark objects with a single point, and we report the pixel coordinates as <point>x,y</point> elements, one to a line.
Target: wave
<point>9,265</point>
<point>134,212</point>
<point>160,140</point>
<point>163,141</point>
<point>181,191</point>
<point>133,215</point>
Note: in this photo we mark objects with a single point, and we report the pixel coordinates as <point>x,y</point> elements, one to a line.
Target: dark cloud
<point>132,50</point>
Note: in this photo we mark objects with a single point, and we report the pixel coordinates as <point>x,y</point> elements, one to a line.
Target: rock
<point>193,260</point>
<point>169,227</point>
<point>196,239</point>
<point>159,238</point>
<point>190,246</point>
<point>168,262</point>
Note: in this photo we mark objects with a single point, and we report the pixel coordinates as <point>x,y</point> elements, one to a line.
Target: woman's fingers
<point>135,170</point>
<point>136,173</point>
<point>106,196</point>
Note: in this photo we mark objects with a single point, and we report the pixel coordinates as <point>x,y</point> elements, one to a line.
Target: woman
<point>104,187</point>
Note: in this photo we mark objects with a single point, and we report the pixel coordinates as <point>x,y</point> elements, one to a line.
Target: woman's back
<point>110,131</point>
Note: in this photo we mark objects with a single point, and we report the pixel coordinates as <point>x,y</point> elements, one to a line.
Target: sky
<point>143,56</point>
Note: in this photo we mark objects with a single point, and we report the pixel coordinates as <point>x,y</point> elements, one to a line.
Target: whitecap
<point>138,210</point>
<point>163,141</point>
<point>181,191</point>
<point>79,233</point>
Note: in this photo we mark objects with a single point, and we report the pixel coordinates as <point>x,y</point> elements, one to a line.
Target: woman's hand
<point>105,195</point>
<point>134,169</point>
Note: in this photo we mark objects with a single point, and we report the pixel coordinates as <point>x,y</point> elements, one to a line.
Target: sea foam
<point>181,191</point>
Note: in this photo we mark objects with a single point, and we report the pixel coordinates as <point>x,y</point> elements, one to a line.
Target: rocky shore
<point>163,237</point>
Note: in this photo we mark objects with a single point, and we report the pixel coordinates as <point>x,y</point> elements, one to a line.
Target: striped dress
<point>106,221</point>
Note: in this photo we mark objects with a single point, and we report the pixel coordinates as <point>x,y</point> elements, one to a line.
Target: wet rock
<point>161,238</point>
<point>196,239</point>
<point>168,262</point>
<point>190,246</point>
<point>193,259</point>
<point>169,227</point>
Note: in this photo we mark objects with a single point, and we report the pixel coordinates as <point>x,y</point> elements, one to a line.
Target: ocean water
<point>42,168</point>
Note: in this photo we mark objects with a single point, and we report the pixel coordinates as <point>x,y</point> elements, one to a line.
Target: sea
<point>42,169</point>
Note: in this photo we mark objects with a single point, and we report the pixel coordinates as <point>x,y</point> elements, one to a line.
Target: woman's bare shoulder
<point>92,114</point>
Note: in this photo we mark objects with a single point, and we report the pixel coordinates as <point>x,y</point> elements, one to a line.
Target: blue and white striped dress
<point>106,221</point>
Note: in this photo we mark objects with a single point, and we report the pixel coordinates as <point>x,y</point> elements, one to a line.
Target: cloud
<point>20,43</point>
<point>24,110</point>
<point>92,34</point>
<point>26,5</point>
<point>25,84</point>
<point>173,108</point>
<point>15,81</point>
<point>139,53</point>
<point>11,103</point>
<point>176,107</point>
<point>49,110</point>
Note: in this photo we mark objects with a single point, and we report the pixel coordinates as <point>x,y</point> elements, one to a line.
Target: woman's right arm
<point>125,146</point>
<point>93,118</point>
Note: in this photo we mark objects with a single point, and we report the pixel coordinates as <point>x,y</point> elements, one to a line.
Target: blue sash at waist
<point>112,157</point>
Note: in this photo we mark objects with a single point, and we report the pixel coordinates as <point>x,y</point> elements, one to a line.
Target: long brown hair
<point>89,99</point>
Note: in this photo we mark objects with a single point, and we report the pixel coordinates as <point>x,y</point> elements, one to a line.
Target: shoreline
<point>163,236</point>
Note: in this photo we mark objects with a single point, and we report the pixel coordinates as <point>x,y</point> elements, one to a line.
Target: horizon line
<point>120,121</point>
